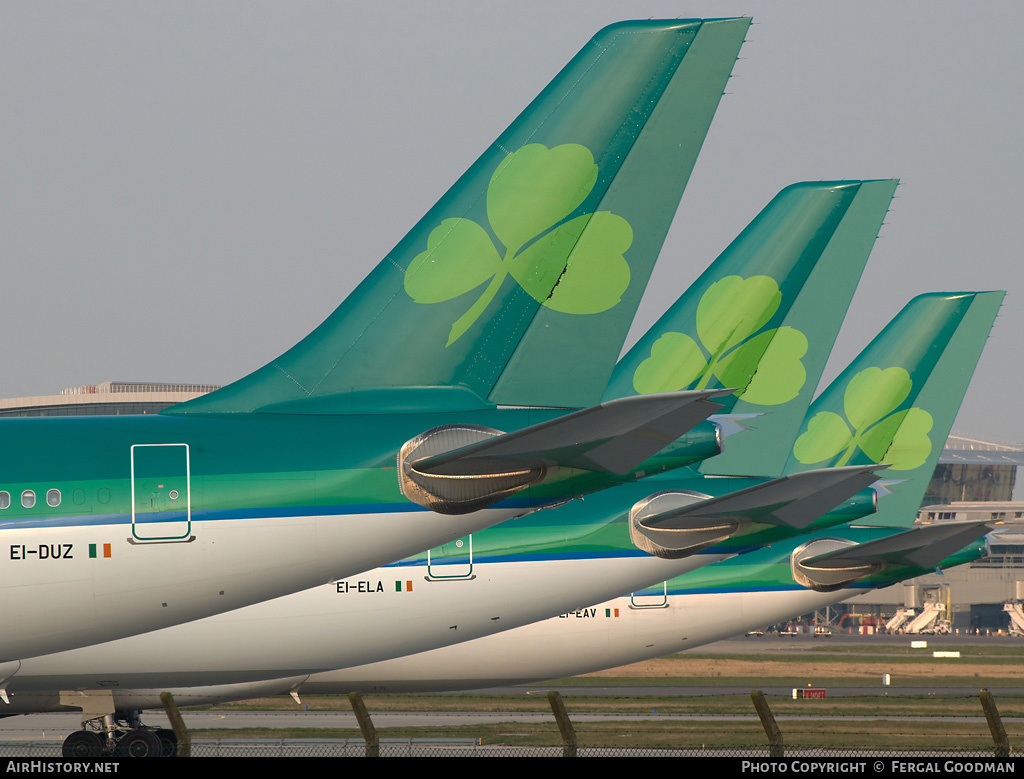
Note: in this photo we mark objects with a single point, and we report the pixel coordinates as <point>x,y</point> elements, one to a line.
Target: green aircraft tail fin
<point>764,316</point>
<point>897,401</point>
<point>539,254</point>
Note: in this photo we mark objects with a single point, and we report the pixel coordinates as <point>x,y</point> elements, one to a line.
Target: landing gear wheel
<point>139,743</point>
<point>168,741</point>
<point>82,743</point>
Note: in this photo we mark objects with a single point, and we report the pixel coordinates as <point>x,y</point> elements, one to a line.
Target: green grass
<point>966,705</point>
<point>874,720</point>
<point>975,681</point>
<point>896,654</point>
<point>661,733</point>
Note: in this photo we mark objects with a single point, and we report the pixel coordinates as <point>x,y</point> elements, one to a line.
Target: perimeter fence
<point>178,742</point>
<point>328,748</point>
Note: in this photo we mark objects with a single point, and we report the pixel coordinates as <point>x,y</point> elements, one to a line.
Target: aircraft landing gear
<point>168,741</point>
<point>83,743</point>
<point>139,743</point>
<point>122,735</point>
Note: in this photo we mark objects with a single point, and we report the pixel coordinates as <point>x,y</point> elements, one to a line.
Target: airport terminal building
<point>974,480</point>
<point>985,596</point>
<point>111,398</point>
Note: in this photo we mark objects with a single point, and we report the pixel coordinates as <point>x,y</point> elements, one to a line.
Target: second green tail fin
<point>764,316</point>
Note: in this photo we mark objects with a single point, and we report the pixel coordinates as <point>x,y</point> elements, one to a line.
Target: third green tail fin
<point>897,401</point>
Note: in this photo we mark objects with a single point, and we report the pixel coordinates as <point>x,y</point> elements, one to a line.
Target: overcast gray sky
<point>188,188</point>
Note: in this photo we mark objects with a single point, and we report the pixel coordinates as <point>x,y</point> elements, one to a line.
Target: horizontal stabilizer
<point>921,547</point>
<point>672,524</point>
<point>731,424</point>
<point>457,469</point>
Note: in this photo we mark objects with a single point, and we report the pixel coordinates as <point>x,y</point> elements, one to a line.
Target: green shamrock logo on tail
<point>574,266</point>
<point>729,316</point>
<point>898,439</point>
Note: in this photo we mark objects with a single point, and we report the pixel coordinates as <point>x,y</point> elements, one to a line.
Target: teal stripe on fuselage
<point>555,556</point>
<point>91,520</point>
<point>257,465</point>
<point>740,589</point>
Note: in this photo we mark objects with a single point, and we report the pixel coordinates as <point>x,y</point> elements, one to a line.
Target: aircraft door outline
<point>650,597</point>
<point>161,493</point>
<point>452,561</point>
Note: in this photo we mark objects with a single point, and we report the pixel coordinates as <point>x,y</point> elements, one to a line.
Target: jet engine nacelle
<point>828,578</point>
<point>476,484</point>
<point>675,543</point>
